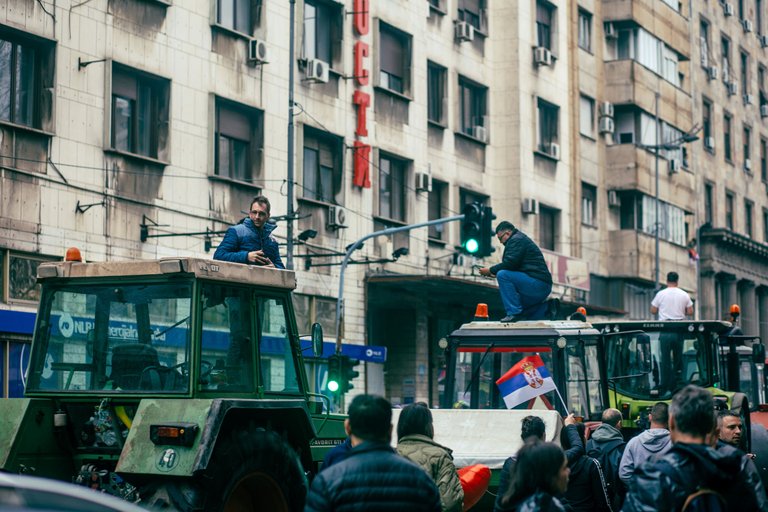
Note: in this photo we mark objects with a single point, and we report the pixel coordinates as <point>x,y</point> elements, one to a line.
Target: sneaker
<point>511,318</point>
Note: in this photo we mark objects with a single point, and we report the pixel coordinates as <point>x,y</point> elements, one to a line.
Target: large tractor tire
<point>251,469</point>
<point>740,405</point>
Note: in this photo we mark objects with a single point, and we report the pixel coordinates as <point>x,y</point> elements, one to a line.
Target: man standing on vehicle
<point>523,277</point>
<point>251,240</point>
<point>672,303</point>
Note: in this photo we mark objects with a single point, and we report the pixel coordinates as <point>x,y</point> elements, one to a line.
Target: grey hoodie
<point>651,443</point>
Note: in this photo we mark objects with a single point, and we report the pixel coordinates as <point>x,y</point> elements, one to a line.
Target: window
<point>759,17</point>
<point>22,277</point>
<point>278,371</point>
<point>704,42</point>
<point>742,13</point>
<point>587,116</point>
<point>545,30</point>
<point>472,106</point>
<point>729,210</point>
<point>763,159</point>
<point>638,213</point>
<point>708,208</point>
<point>727,122</point>
<point>588,205</point>
<point>744,73</point>
<point>706,119</point>
<point>239,140</point>
<point>675,4</point>
<point>765,225</point>
<point>322,165</point>
<point>310,309</point>
<point>235,15</point>
<point>585,30</point>
<point>749,207</point>
<point>139,112</point>
<point>394,59</point>
<point>548,221</point>
<point>392,187</point>
<point>747,144</point>
<point>437,209</point>
<point>761,70</point>
<point>648,50</point>
<point>725,59</point>
<point>436,97</point>
<point>322,30</point>
<point>473,12</point>
<point>17,82</point>
<point>548,121</point>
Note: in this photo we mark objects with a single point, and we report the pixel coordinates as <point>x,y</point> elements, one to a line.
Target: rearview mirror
<point>317,339</point>
<point>758,353</point>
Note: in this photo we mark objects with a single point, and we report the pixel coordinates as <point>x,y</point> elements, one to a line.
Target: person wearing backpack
<point>607,446</point>
<point>693,476</point>
<point>586,485</point>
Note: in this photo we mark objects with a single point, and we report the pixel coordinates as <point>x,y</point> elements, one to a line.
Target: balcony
<point>633,168</point>
<point>656,17</point>
<point>633,254</point>
<point>628,82</point>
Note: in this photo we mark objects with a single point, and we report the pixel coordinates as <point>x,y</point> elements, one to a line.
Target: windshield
<point>132,337</point>
<point>477,369</point>
<point>655,371</point>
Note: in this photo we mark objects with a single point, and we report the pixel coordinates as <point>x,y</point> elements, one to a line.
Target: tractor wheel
<point>740,405</point>
<point>251,469</point>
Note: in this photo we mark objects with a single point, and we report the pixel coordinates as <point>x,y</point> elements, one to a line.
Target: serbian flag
<point>525,381</point>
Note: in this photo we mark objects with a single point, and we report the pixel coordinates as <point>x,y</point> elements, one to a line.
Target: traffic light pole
<point>353,247</point>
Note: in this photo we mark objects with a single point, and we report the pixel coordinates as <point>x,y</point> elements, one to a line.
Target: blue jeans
<point>520,291</point>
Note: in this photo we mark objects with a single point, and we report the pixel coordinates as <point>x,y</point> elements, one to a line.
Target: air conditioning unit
<point>423,182</point>
<point>674,166</point>
<point>748,99</point>
<point>712,72</point>
<point>480,133</point>
<point>613,198</point>
<point>464,32</point>
<point>610,30</point>
<point>709,142</point>
<point>728,9</point>
<point>763,41</point>
<point>542,56</point>
<point>258,51</point>
<point>732,87</point>
<point>704,48</point>
<point>747,25</point>
<point>606,109</point>
<point>747,164</point>
<point>552,149</point>
<point>337,217</point>
<point>764,110</point>
<point>316,70</point>
<point>531,206</point>
<point>606,125</point>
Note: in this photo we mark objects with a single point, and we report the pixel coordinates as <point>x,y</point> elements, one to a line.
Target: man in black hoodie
<point>692,465</point>
<point>523,276</point>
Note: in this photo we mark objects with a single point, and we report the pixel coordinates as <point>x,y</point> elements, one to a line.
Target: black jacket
<point>586,491</point>
<point>373,477</point>
<point>521,254</point>
<point>667,482</point>
<point>539,502</point>
<point>607,446</point>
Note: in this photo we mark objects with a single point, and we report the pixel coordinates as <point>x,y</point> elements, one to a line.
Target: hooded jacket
<point>607,446</point>
<point>438,462</point>
<point>665,484</point>
<point>654,442</point>
<point>522,255</point>
<point>245,237</point>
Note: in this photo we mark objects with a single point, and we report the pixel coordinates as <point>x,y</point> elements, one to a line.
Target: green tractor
<point>174,383</point>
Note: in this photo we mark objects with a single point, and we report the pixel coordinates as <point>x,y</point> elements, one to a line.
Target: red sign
<point>361,99</point>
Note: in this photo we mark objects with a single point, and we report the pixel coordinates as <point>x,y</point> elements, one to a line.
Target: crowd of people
<point>691,458</point>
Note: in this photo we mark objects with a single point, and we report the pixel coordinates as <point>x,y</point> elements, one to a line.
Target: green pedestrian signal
<point>334,373</point>
<point>471,227</point>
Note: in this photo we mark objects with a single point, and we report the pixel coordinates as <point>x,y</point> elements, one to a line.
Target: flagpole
<point>565,407</point>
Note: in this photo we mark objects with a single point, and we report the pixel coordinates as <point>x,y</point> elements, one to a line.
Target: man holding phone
<point>251,241</point>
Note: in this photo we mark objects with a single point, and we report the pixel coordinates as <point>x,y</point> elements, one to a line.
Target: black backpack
<point>609,457</point>
<point>704,499</point>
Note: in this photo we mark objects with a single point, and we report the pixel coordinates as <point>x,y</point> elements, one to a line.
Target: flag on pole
<point>526,380</point>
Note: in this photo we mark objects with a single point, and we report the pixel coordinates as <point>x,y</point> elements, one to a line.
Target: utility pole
<point>657,224</point>
<point>290,213</point>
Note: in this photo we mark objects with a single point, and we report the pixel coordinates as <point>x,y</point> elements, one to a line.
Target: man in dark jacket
<point>606,444</point>
<point>523,276</point>
<point>692,465</point>
<point>372,476</point>
<point>251,240</point>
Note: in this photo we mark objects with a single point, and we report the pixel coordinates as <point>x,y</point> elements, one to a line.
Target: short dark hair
<point>660,413</point>
<point>263,201</point>
<point>415,419</point>
<point>533,426</point>
<point>504,225</point>
<point>612,416</point>
<point>370,417</point>
<point>565,441</point>
<point>672,277</point>
<point>537,467</point>
<point>692,408</point>
<point>727,413</point>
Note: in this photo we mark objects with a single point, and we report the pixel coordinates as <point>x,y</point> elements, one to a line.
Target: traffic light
<point>486,232</point>
<point>334,373</point>
<point>471,228</point>
<point>348,372</point>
